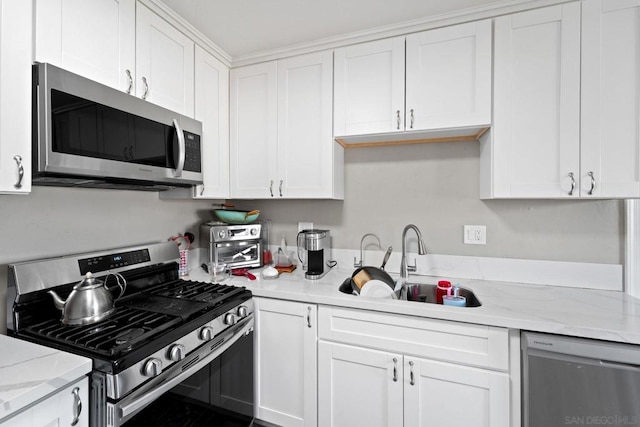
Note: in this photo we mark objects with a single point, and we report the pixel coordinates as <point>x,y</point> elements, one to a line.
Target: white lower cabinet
<point>286,362</point>
<point>379,369</point>
<point>67,407</point>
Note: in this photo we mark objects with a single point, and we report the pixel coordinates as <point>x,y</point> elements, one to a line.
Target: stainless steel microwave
<point>86,134</point>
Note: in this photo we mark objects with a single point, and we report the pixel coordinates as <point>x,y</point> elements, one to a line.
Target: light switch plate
<point>475,234</point>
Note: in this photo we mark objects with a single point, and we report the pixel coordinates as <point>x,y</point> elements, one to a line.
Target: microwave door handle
<point>181,150</point>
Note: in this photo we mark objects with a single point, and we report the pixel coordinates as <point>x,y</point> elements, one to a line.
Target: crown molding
<point>422,24</point>
<point>168,14</point>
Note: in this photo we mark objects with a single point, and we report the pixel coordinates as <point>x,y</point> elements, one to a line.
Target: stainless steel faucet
<point>404,268</point>
<point>361,263</point>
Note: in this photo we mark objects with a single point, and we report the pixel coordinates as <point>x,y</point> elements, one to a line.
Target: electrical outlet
<point>305,226</point>
<point>475,234</point>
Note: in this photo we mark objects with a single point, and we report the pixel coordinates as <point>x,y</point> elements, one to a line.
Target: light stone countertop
<point>30,372</point>
<point>597,314</point>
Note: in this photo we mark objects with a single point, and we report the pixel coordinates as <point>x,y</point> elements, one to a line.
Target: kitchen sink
<point>421,292</point>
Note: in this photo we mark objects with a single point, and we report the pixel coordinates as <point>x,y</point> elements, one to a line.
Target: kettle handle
<point>120,280</point>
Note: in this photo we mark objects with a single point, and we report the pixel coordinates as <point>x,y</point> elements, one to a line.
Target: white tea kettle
<point>90,301</point>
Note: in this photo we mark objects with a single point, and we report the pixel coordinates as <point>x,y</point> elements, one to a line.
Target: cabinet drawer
<point>468,344</point>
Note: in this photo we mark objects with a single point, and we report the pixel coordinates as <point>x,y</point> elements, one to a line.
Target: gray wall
<point>432,185</point>
<point>435,186</point>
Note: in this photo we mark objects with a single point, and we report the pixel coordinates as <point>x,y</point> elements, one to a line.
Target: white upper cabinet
<point>119,43</point>
<point>566,103</point>
<point>15,102</point>
<point>95,39</point>
<point>445,92</point>
<point>369,88</point>
<point>533,148</point>
<point>449,77</point>
<point>305,143</point>
<point>212,109</point>
<point>253,130</point>
<point>281,139</point>
<point>610,137</point>
<point>164,63</point>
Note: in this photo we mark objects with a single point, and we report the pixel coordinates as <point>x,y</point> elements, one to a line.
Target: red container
<point>444,287</point>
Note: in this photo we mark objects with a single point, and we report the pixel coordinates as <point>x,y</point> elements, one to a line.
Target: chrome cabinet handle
<point>181,150</point>
<point>130,81</point>
<point>281,181</point>
<point>18,159</point>
<point>202,191</point>
<point>308,316</point>
<point>593,183</point>
<point>77,406</point>
<point>395,370</point>
<point>411,379</point>
<point>271,188</point>
<point>146,88</point>
<point>398,119</point>
<point>573,183</point>
<point>412,119</point>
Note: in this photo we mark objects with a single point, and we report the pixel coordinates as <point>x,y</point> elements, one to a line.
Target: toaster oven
<point>238,246</point>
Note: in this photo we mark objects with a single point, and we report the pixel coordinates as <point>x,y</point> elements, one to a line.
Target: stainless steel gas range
<point>163,330</point>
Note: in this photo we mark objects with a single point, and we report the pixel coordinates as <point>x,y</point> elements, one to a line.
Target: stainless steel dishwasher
<point>580,382</point>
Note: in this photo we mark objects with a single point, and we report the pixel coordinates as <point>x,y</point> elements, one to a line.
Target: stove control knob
<point>242,311</point>
<point>229,319</point>
<point>176,352</point>
<point>206,333</point>
<point>152,367</point>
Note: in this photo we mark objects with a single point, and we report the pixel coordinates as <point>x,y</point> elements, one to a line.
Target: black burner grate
<point>112,337</point>
<point>211,293</point>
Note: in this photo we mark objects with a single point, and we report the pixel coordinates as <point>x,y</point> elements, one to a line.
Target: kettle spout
<point>59,303</point>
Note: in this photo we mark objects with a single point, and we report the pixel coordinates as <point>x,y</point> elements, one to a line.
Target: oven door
<point>213,386</point>
<point>238,254</point>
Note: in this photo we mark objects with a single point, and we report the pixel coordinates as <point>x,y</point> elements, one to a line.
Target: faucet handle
<point>412,268</point>
<point>356,264</point>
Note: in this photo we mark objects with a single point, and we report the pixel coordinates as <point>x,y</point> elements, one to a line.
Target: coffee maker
<point>316,244</point>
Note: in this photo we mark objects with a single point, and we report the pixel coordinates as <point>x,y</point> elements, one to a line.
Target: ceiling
<point>243,27</point>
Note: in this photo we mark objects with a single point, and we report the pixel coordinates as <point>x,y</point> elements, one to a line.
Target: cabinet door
<point>449,77</point>
<point>15,102</point>
<point>305,142</point>
<point>164,63</point>
<point>610,161</point>
<point>369,88</point>
<point>359,387</point>
<point>536,138</point>
<point>95,39</point>
<point>254,131</point>
<point>212,109</point>
<point>67,407</point>
<point>439,394</point>
<point>286,361</point>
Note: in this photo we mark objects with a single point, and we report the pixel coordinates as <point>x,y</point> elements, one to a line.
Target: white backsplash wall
<point>435,186</point>
<point>56,221</point>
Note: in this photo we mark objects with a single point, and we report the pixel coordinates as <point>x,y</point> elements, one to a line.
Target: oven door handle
<point>132,404</point>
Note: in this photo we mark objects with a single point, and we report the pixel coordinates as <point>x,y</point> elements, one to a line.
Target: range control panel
<point>115,260</point>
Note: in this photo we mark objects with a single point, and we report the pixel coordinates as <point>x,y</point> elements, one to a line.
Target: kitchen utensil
<point>236,217</point>
<point>443,288</point>
<point>374,273</point>
<point>386,257</point>
<point>377,289</point>
<point>90,300</point>
<point>243,272</point>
